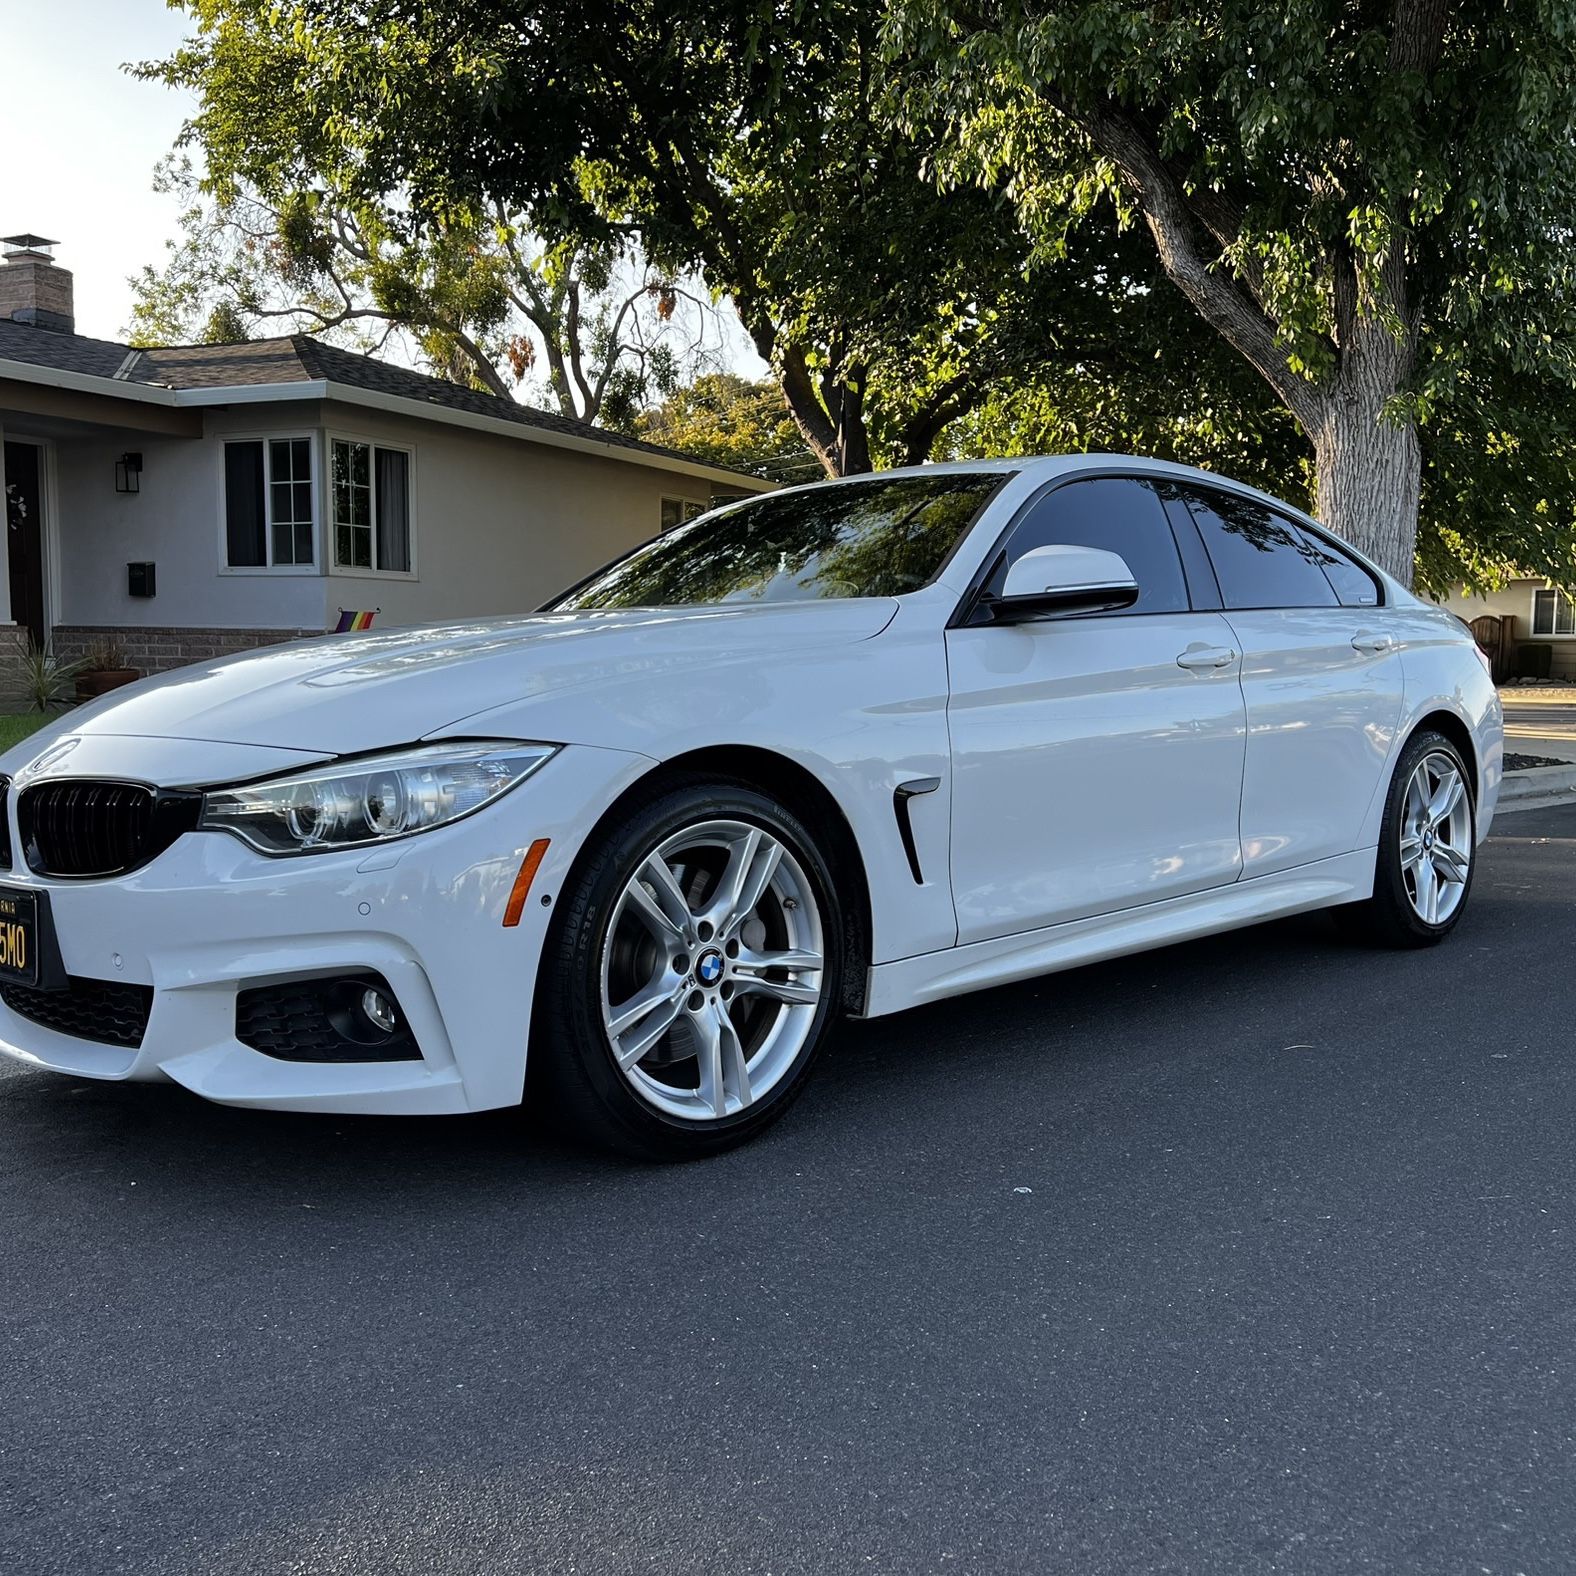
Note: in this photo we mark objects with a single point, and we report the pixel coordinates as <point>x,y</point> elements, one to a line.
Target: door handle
<point>1366,640</point>
<point>1198,659</point>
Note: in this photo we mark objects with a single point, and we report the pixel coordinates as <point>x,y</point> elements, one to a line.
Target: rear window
<point>1353,585</point>
<point>1260,559</point>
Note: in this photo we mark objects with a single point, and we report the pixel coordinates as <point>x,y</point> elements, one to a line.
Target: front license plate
<point>18,937</point>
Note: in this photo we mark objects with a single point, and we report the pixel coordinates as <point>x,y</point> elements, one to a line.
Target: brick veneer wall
<point>13,655</point>
<point>156,650</point>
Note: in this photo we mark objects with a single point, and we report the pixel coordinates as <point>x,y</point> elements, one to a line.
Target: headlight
<point>372,800</point>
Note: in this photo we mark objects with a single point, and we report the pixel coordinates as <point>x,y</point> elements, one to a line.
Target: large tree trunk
<point>1368,463</point>
<point>1369,477</point>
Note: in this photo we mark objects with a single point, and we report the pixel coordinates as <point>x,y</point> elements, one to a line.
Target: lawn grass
<point>15,726</point>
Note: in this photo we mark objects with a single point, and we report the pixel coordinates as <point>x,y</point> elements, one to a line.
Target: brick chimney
<point>33,289</point>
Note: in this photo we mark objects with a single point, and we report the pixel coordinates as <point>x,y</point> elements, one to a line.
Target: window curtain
<point>393,493</point>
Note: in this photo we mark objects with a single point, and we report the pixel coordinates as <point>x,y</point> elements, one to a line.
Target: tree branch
<point>572,334</point>
<point>809,414</point>
<point>955,397</point>
<point>1217,297</point>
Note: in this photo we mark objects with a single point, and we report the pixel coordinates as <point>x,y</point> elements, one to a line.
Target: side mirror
<point>1047,582</point>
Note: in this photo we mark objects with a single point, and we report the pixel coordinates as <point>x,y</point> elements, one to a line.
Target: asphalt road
<point>1252,1255</point>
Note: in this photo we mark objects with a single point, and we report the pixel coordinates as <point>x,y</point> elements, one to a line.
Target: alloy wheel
<point>1436,838</point>
<point>711,970</point>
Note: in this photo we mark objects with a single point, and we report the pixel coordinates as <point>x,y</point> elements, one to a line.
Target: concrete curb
<point>1538,787</point>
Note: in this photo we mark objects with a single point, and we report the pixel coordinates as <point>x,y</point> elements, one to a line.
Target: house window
<point>269,504</point>
<point>1553,613</point>
<point>675,511</point>
<point>371,507</point>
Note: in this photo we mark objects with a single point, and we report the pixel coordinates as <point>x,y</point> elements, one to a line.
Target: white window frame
<point>1532,621</point>
<point>355,571</point>
<point>271,568</point>
<point>700,506</point>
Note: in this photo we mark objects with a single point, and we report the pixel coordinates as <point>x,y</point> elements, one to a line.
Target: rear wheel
<point>692,975</point>
<point>1427,849</point>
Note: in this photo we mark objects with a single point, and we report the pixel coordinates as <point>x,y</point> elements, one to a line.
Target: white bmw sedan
<point>840,749</point>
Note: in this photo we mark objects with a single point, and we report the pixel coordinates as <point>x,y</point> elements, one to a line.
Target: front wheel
<point>1427,852</point>
<point>692,975</point>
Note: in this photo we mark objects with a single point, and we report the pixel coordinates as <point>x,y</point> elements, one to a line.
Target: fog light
<point>378,1010</point>
<point>352,1018</point>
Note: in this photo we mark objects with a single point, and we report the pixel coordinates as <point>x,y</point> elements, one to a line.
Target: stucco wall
<point>174,521</point>
<point>499,525</point>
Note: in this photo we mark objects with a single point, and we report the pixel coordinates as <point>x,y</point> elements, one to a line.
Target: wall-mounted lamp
<point>128,473</point>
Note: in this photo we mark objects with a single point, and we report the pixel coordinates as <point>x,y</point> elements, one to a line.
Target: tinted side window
<point>1260,559</point>
<point>1352,584</point>
<point>1114,513</point>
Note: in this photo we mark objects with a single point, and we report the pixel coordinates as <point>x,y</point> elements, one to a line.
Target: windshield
<point>864,538</point>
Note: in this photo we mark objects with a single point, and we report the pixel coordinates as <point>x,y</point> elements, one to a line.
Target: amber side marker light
<point>522,882</point>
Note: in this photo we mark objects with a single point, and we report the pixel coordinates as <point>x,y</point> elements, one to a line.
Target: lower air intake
<point>98,1010</point>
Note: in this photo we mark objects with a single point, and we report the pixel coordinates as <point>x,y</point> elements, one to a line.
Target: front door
<point>1097,761</point>
<point>24,518</point>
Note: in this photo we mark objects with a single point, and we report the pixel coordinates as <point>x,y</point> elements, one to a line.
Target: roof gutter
<point>86,383</point>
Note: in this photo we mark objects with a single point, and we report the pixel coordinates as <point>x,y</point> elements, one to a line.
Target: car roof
<point>1046,466</point>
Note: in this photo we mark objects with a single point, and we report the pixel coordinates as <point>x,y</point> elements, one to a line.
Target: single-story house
<point>1528,628</point>
<point>211,498</point>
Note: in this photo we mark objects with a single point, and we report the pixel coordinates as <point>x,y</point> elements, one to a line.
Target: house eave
<point>498,426</point>
<point>370,399</point>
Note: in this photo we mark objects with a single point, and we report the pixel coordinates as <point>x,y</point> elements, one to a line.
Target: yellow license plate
<point>18,937</point>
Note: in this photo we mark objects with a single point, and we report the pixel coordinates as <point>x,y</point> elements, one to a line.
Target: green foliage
<point>746,141</point>
<point>1227,424</point>
<point>1011,223</point>
<point>734,422</point>
<point>1368,201</point>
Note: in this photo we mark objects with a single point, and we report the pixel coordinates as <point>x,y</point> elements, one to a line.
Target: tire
<point>662,1028</point>
<point>1427,856</point>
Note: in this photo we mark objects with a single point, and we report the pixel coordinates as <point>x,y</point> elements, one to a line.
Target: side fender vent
<point>905,825</point>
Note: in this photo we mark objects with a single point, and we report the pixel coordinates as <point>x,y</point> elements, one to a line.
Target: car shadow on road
<point>910,1067</point>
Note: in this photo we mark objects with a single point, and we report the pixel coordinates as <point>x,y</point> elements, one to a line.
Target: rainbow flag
<point>349,623</point>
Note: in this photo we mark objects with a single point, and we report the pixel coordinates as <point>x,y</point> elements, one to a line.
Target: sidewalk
<point>1540,722</point>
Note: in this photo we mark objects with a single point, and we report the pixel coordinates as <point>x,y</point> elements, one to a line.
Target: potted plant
<point>104,669</point>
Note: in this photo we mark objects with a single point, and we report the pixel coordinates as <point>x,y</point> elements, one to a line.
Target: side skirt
<point>908,982</point>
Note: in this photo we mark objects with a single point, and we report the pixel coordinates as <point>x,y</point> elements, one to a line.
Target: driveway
<point>1258,1254</point>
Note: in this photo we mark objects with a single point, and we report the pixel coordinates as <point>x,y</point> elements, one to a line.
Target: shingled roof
<point>295,358</point>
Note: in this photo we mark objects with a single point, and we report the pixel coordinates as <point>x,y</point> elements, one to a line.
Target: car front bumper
<point>210,918</point>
